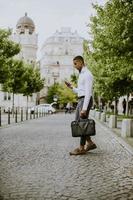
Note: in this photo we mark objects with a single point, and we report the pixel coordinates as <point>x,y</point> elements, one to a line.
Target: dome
<point>25,23</point>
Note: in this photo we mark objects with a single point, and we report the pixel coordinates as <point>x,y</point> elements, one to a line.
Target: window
<point>66,52</point>
<point>7,96</point>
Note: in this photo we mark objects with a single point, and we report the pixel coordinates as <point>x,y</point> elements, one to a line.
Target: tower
<point>27,38</point>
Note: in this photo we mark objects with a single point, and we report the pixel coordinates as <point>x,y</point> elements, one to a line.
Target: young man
<point>84,92</point>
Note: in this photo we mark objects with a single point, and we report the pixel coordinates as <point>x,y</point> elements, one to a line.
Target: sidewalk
<point>35,163</point>
<point>128,141</point>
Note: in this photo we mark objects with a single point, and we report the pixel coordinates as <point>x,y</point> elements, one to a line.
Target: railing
<point>19,115</point>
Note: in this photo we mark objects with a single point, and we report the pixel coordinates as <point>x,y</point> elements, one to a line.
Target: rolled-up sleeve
<point>88,91</point>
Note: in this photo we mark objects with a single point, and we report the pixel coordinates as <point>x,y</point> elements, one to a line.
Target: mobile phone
<point>68,84</point>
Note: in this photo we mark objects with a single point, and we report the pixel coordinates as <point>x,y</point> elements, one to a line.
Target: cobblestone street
<point>35,163</point>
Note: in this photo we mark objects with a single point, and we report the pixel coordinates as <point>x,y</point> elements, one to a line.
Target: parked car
<point>48,108</point>
<point>7,109</point>
<point>42,108</point>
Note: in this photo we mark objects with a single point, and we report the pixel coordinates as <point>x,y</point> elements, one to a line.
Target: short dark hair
<point>79,58</point>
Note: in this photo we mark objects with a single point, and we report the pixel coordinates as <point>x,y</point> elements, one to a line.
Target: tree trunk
<point>115,108</point>
<point>127,109</point>
<point>13,104</point>
<point>27,102</point>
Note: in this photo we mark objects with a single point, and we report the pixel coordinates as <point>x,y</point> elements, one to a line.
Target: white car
<point>7,109</point>
<point>42,108</point>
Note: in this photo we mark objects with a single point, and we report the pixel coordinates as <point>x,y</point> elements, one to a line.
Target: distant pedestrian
<point>84,92</point>
<point>68,108</point>
<point>101,107</point>
<point>131,106</point>
<point>124,106</point>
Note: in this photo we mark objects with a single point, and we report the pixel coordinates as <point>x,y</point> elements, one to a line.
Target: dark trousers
<point>77,116</point>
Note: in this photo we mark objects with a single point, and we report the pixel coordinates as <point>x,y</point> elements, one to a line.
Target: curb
<point>124,144</point>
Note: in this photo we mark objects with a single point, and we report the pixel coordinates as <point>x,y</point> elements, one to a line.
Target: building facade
<point>27,38</point>
<point>57,53</point>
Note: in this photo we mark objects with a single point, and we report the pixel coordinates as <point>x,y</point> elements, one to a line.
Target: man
<point>124,106</point>
<point>84,92</point>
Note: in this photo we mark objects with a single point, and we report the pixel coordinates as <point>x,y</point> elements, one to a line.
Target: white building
<point>57,53</point>
<point>25,35</point>
<point>27,38</point>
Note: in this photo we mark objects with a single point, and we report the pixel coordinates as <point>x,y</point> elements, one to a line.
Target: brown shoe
<point>90,147</point>
<point>77,151</point>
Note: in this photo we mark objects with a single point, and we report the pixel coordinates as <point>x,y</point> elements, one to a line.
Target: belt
<point>81,97</point>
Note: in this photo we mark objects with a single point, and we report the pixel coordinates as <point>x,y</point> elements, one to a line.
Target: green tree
<point>8,49</point>
<point>52,91</point>
<point>64,94</point>
<point>15,83</point>
<point>32,81</point>
<point>73,79</point>
<point>111,56</point>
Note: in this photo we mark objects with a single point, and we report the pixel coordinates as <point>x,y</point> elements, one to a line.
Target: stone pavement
<point>35,163</point>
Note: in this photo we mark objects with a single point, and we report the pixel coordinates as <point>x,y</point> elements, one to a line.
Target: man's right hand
<point>83,114</point>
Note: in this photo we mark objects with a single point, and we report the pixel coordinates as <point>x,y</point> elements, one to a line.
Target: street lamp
<point>55,98</point>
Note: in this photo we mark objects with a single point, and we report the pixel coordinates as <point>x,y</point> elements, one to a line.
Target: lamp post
<point>55,99</point>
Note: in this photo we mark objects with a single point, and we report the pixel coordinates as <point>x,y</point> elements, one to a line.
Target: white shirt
<point>85,84</point>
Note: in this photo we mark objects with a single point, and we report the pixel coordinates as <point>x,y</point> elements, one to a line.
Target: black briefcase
<point>83,127</point>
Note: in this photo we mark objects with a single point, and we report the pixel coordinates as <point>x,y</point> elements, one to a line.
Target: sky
<point>49,15</point>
